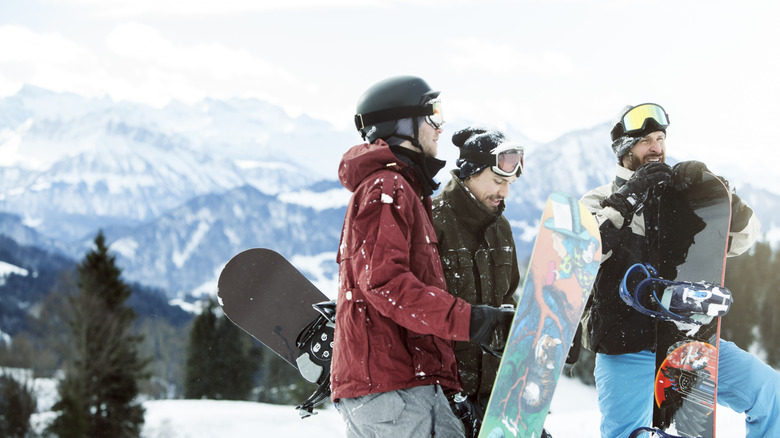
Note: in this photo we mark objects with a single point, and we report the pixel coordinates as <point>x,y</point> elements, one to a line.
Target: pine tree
<point>200,367</point>
<point>17,404</point>
<point>165,343</point>
<point>98,395</point>
<point>769,325</point>
<point>237,361</point>
<point>221,362</point>
<point>738,326</point>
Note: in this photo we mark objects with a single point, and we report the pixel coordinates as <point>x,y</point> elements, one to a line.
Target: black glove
<point>629,198</point>
<point>688,173</point>
<point>484,320</point>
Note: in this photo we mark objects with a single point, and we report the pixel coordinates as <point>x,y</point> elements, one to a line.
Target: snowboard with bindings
<point>267,297</point>
<point>683,288</point>
<point>561,272</point>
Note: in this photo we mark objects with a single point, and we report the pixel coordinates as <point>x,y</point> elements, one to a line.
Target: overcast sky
<point>545,67</point>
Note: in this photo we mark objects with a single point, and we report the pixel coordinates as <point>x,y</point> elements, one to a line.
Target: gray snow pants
<point>422,411</point>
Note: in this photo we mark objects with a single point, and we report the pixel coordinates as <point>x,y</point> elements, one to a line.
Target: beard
<point>635,162</point>
<point>488,203</point>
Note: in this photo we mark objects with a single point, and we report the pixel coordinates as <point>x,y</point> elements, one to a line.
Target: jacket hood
<point>364,159</point>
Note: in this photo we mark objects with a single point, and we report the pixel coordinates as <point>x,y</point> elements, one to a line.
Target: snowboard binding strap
<point>316,344</point>
<point>694,303</point>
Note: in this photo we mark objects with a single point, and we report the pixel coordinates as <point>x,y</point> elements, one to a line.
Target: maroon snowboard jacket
<point>395,323</point>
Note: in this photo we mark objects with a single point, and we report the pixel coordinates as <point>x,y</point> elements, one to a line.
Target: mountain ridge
<point>179,190</point>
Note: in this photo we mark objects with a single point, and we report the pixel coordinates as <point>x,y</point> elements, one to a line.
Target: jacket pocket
<point>501,259</point>
<point>459,272</point>
<point>426,355</point>
<point>353,327</point>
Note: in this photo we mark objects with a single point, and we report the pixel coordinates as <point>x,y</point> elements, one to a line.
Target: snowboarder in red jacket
<point>393,356</point>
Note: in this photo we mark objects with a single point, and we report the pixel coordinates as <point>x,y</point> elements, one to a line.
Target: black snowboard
<point>265,295</point>
<point>692,238</point>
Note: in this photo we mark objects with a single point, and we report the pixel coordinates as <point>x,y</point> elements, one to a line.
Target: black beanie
<point>483,140</point>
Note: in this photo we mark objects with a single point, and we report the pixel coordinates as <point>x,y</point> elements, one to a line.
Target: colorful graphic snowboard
<point>693,242</point>
<point>560,275</point>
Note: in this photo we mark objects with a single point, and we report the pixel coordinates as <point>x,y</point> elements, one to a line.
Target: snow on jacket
<point>480,265</point>
<point>395,322</point>
<point>611,326</point>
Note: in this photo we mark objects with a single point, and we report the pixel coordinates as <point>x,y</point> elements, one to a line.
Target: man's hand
<point>484,320</point>
<point>687,173</point>
<point>634,192</point>
<point>648,176</point>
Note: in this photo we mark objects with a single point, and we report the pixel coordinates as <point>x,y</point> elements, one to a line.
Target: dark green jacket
<point>480,266</point>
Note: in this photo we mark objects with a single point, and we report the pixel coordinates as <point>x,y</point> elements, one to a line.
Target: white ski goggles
<point>505,160</point>
<point>509,160</point>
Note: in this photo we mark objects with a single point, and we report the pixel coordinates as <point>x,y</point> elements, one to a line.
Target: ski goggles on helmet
<point>436,119</point>
<point>505,160</point>
<point>431,110</point>
<point>639,118</point>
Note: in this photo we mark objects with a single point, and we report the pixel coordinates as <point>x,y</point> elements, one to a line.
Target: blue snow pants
<point>624,384</point>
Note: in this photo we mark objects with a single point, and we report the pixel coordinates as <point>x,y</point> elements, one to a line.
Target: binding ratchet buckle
<point>690,302</point>
<point>316,344</point>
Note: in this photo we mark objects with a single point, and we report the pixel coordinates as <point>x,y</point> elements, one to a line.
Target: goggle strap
<point>477,157</point>
<point>483,158</point>
<point>386,115</point>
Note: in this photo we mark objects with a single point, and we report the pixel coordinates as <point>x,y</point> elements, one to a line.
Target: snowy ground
<point>573,414</point>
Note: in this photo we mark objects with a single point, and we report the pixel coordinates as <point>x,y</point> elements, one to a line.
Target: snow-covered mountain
<point>71,165</point>
<point>179,190</point>
<point>574,163</point>
<point>184,250</point>
<point>130,176</point>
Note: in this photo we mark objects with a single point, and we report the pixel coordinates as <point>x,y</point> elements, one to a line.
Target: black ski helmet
<point>389,100</point>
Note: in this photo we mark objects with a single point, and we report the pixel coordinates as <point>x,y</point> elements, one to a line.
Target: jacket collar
<point>622,175</point>
<point>425,167</point>
<point>364,159</point>
<point>472,213</point>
